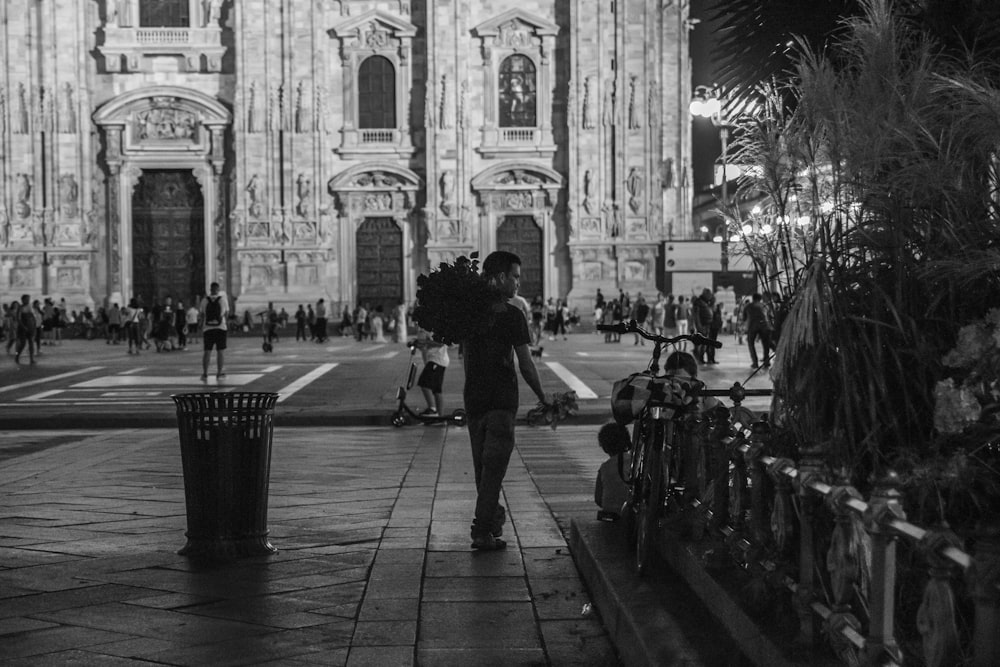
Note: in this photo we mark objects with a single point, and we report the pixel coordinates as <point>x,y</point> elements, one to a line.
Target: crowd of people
<point>670,316</point>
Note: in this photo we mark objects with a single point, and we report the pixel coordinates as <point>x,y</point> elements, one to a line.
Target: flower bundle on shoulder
<point>454,301</point>
<point>561,407</point>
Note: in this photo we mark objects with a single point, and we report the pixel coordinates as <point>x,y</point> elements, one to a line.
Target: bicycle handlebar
<point>633,327</point>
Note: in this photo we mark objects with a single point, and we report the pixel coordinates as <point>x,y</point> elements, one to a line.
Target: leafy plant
<point>454,302</point>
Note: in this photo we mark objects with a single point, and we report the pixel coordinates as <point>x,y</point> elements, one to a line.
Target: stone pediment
<point>125,108</point>
<point>371,26</point>
<point>374,177</point>
<point>517,176</point>
<point>515,26</point>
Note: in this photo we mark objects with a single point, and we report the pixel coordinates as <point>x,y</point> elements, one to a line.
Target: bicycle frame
<point>657,479</point>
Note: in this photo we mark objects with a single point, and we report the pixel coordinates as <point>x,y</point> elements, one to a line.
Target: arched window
<point>517,92</point>
<point>164,13</point>
<point>376,94</point>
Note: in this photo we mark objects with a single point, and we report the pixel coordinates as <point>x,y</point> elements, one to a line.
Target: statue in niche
<point>301,113</point>
<point>609,106</point>
<point>588,191</point>
<point>111,13</point>
<point>634,110</point>
<point>588,103</point>
<point>256,190</point>
<point>92,228</point>
<point>22,195</point>
<point>634,185</point>
<point>447,183</point>
<point>447,111</point>
<point>69,192</point>
<point>303,186</point>
<point>668,173</point>
<point>213,12</point>
<point>67,112</point>
<point>123,12</point>
<point>20,113</point>
<point>253,112</point>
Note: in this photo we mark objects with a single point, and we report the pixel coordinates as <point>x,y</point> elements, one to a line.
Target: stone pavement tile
<point>346,610</point>
<point>476,589</point>
<point>73,658</point>
<point>558,598</point>
<point>468,563</point>
<point>411,569</point>
<point>403,543</point>
<point>15,624</point>
<point>465,657</point>
<point>13,558</point>
<point>380,656</point>
<point>578,642</point>
<point>136,647</point>
<point>333,596</point>
<point>49,640</point>
<point>407,586</point>
<point>388,609</point>
<point>549,562</point>
<point>156,623</point>
<point>400,555</point>
<point>89,595</point>
<point>169,601</point>
<point>474,625</point>
<point>385,633</point>
<point>271,611</point>
<point>255,648</point>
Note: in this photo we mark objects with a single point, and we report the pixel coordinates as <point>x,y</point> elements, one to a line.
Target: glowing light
<point>746,229</point>
<point>717,239</point>
<point>826,207</point>
<point>704,229</point>
<point>735,238</point>
<point>804,221</point>
<point>755,210</point>
<point>766,228</point>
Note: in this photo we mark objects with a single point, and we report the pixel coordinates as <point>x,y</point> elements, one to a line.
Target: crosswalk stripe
<point>303,381</point>
<point>572,381</point>
<point>50,378</point>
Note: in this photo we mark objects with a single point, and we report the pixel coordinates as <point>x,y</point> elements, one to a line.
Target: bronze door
<point>380,263</point>
<point>520,235</point>
<point>168,246</point>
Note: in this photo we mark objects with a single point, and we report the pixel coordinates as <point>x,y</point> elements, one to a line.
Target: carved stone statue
<point>213,12</point>
<point>22,195</point>
<point>588,191</point>
<point>19,114</point>
<point>447,183</point>
<point>303,186</point>
<point>123,12</point>
<point>256,190</point>
<point>634,108</point>
<point>588,103</point>
<point>634,185</point>
<point>69,192</point>
<point>67,111</point>
<point>610,112</point>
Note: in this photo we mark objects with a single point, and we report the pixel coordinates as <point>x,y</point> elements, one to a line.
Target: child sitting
<point>610,492</point>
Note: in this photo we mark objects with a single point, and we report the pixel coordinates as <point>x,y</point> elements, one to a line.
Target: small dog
<point>537,352</point>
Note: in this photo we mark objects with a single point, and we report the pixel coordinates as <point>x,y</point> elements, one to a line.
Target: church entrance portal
<point>520,235</point>
<point>380,263</point>
<point>168,248</point>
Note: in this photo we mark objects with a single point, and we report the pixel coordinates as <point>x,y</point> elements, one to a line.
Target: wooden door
<point>379,245</point>
<point>520,235</point>
<point>168,246</point>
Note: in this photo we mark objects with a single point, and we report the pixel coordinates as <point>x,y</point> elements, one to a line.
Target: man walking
<point>26,327</point>
<point>491,395</point>
<point>214,315</point>
<point>758,324</point>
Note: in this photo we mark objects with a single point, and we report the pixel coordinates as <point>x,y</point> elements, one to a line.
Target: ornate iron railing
<point>763,504</point>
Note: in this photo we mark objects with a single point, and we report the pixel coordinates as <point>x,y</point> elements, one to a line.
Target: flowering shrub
<point>972,392</point>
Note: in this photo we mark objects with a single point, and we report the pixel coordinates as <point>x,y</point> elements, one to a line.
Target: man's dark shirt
<point>756,317</point>
<point>490,368</point>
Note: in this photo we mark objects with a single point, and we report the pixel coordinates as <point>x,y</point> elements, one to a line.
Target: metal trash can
<point>226,456</point>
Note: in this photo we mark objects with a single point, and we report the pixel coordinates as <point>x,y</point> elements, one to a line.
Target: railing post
<point>884,507</point>
<point>758,515</point>
<point>984,578</point>
<point>810,468</point>
<point>936,615</point>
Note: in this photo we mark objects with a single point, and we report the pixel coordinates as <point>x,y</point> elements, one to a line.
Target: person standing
<point>491,395</point>
<point>713,331</point>
<point>191,318</point>
<point>758,323</point>
<point>701,320</point>
<point>300,323</point>
<point>640,313</point>
<point>683,320</point>
<point>26,327</point>
<point>114,324</point>
<point>431,380</point>
<point>658,314</point>
<point>131,325</point>
<point>214,315</point>
<point>321,319</point>
<point>311,321</point>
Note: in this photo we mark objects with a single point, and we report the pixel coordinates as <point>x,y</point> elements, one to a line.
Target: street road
<point>84,383</point>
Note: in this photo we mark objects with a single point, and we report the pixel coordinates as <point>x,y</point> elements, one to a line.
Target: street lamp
<point>707,103</point>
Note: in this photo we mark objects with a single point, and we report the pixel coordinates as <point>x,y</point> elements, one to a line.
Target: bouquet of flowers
<point>453,302</point>
<point>561,407</point>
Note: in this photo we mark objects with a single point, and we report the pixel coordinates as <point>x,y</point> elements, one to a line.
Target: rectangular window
<point>164,14</point>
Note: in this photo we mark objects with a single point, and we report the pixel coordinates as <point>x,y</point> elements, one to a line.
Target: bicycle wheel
<point>650,501</point>
<point>633,482</point>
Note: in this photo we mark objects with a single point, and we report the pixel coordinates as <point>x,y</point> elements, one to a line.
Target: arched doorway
<point>168,246</point>
<point>520,235</point>
<point>379,246</point>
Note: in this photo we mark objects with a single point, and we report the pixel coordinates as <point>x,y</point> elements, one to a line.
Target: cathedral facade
<point>301,149</point>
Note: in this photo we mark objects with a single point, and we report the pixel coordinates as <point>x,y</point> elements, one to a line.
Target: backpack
<point>213,310</point>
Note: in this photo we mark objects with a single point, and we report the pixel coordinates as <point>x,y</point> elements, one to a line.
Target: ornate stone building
<point>298,149</point>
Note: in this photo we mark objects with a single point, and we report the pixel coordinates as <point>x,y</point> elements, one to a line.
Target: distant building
<point>296,150</point>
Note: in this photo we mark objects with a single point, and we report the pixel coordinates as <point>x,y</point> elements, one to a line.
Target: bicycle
<point>663,410</point>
